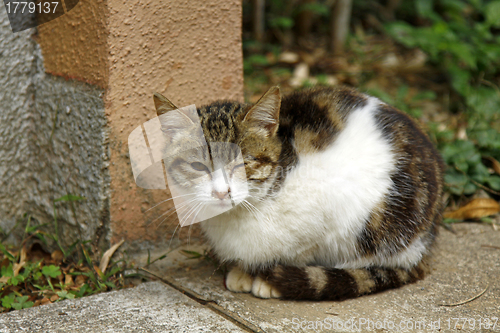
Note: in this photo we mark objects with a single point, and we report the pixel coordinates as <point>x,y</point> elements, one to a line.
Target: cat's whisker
<point>190,212</point>
<point>202,206</point>
<point>164,201</point>
<point>253,207</point>
<point>172,238</point>
<point>166,218</point>
<point>187,216</point>
<point>179,210</point>
<point>183,204</point>
<point>249,208</point>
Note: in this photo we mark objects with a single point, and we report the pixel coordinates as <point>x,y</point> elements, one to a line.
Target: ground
<point>465,263</point>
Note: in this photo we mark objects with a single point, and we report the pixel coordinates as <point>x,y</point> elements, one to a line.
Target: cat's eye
<point>241,165</point>
<point>199,166</point>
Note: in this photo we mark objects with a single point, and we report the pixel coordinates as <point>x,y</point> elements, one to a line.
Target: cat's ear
<point>162,104</point>
<point>264,115</point>
<point>176,121</point>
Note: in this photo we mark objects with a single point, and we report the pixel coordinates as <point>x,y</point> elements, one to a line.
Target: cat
<point>344,193</point>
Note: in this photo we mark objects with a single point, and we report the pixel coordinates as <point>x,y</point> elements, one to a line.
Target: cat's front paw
<point>239,281</point>
<point>262,289</point>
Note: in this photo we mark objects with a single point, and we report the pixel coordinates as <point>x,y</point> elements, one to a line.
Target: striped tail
<point>320,283</point>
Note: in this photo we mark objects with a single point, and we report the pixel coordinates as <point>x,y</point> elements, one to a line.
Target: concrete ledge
<point>150,307</point>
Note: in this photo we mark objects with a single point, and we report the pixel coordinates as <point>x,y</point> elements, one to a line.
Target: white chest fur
<point>322,206</point>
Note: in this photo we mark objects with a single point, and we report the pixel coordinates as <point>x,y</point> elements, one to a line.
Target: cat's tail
<point>321,283</point>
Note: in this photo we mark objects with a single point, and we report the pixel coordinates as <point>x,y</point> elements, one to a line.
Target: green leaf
<point>33,228</point>
<point>110,284</point>
<point>425,95</point>
<point>22,303</point>
<point>479,173</point>
<point>112,272</point>
<point>42,238</point>
<point>52,271</point>
<point>37,276</point>
<point>4,250</point>
<point>425,9</point>
<point>448,220</point>
<point>8,300</point>
<point>459,79</point>
<point>87,256</point>
<point>492,13</point>
<point>316,7</point>
<point>281,22</point>
<point>469,188</point>
<point>484,101</point>
<point>7,271</point>
<point>191,254</point>
<point>463,52</point>
<point>27,305</point>
<point>455,181</point>
<point>402,32</point>
<point>494,182</point>
<point>83,290</point>
<point>65,295</point>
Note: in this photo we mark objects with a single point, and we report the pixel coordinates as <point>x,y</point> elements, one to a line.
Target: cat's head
<point>223,153</point>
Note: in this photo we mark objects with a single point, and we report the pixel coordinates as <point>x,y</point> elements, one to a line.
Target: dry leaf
<point>22,260</point>
<point>300,74</point>
<point>495,165</point>
<point>57,256</point>
<point>80,280</point>
<point>45,300</point>
<point>289,57</point>
<point>107,255</point>
<point>68,280</point>
<point>53,298</point>
<point>475,209</point>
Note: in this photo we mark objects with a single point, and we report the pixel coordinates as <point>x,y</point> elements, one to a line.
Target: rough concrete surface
<point>150,307</point>
<point>52,142</point>
<point>462,268</point>
<point>189,51</point>
<point>66,131</point>
<point>16,77</point>
<point>465,263</point>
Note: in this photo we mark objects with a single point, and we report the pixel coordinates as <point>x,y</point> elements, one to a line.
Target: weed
<point>30,276</point>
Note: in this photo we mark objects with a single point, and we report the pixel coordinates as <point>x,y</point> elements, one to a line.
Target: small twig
<point>469,300</point>
<point>491,246</point>
<point>151,273</point>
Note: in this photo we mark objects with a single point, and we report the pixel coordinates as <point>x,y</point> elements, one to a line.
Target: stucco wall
<point>52,142</point>
<point>16,98</point>
<point>110,57</point>
<point>189,51</point>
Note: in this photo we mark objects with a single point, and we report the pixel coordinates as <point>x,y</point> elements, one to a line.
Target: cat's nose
<point>220,195</point>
